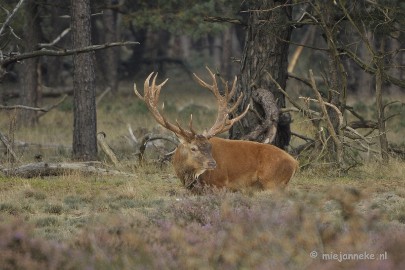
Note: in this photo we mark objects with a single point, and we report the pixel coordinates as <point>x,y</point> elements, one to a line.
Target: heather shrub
<point>20,250</point>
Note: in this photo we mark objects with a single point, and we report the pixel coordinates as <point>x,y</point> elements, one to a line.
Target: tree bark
<point>30,95</point>
<point>54,65</point>
<point>111,34</point>
<point>382,133</point>
<point>265,52</point>
<point>84,96</point>
<point>226,62</point>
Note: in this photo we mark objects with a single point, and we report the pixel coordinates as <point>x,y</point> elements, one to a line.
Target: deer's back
<point>245,163</point>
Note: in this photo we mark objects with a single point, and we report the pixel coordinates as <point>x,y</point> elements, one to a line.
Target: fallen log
<point>41,169</point>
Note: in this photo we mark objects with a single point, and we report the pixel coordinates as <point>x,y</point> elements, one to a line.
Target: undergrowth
<point>152,222</point>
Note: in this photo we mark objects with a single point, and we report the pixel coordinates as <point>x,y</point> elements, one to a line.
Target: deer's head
<point>194,152</point>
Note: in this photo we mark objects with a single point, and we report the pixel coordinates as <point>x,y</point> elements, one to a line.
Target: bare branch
<point>373,70</point>
<point>330,105</point>
<point>56,40</point>
<point>131,134</point>
<point>329,124</point>
<point>223,19</point>
<point>106,148</point>
<point>102,95</point>
<point>153,137</point>
<point>305,81</point>
<point>43,109</point>
<point>45,52</point>
<point>292,101</point>
<point>10,16</point>
<point>305,138</point>
<point>10,150</point>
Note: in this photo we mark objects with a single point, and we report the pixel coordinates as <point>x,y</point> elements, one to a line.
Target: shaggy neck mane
<point>189,177</point>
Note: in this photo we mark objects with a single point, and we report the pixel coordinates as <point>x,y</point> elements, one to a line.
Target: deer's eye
<point>193,148</point>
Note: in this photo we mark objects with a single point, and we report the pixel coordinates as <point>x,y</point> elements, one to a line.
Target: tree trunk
<point>382,133</point>
<point>54,65</point>
<point>337,81</point>
<point>84,112</point>
<point>265,52</point>
<point>29,95</point>
<point>216,45</point>
<point>111,33</point>
<point>226,62</point>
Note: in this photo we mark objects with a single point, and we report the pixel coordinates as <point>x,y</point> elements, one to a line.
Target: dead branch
<point>305,138</point>
<point>292,101</point>
<point>330,105</point>
<point>297,52</point>
<point>153,137</point>
<point>41,169</point>
<point>64,52</point>
<point>322,104</point>
<point>166,157</point>
<point>132,137</point>
<point>56,40</point>
<point>102,95</point>
<point>354,113</point>
<point>107,149</point>
<point>355,134</point>
<point>47,92</point>
<point>213,19</point>
<point>42,109</point>
<point>335,137</point>
<point>10,16</point>
<point>305,81</point>
<point>396,150</point>
<point>370,69</point>
<point>21,144</point>
<point>10,150</point>
<point>363,124</point>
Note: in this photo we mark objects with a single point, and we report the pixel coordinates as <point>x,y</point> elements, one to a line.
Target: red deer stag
<point>205,160</point>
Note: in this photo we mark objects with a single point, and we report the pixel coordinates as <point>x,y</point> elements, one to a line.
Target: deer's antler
<point>151,97</point>
<point>223,122</point>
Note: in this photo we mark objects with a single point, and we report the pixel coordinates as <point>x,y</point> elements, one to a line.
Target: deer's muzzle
<point>211,165</point>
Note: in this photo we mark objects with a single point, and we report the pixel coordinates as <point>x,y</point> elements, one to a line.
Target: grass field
<point>150,221</point>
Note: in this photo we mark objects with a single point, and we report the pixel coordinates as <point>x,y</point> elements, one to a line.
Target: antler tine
<point>228,123</point>
<point>156,88</point>
<point>201,82</point>
<point>145,88</point>
<point>225,83</point>
<point>236,104</point>
<point>190,124</point>
<point>151,98</point>
<point>185,133</point>
<point>214,82</point>
<point>236,119</point>
<point>137,93</point>
<point>214,87</point>
<point>222,123</point>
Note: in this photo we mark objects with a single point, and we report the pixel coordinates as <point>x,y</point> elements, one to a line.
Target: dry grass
<point>151,222</point>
